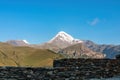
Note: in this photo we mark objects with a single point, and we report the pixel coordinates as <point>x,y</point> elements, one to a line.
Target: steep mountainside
<point>60,41</point>
<point>26,56</point>
<point>109,50</point>
<point>79,50</point>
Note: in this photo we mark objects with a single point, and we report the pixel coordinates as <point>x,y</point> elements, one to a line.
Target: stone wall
<point>65,69</point>
<point>91,68</point>
<point>86,62</point>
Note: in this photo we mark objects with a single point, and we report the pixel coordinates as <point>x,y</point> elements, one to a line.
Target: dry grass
<point>26,56</point>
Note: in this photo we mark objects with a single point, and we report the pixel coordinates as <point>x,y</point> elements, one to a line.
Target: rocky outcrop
<point>80,51</point>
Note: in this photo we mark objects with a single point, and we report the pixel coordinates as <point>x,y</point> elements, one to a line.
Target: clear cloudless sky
<point>38,21</point>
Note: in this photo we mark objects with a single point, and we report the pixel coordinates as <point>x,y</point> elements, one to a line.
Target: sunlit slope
<point>26,56</point>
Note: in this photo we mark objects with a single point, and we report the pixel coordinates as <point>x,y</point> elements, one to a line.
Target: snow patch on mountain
<point>25,41</point>
<point>64,37</point>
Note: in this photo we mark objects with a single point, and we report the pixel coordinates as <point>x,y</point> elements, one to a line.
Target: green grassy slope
<point>26,56</point>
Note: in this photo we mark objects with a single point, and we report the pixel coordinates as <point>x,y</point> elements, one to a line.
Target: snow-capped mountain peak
<point>25,41</point>
<point>64,37</point>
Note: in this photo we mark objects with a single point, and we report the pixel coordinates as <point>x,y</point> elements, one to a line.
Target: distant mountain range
<point>18,42</point>
<point>65,43</point>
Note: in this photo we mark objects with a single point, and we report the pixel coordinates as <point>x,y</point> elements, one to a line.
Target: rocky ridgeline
<point>65,69</point>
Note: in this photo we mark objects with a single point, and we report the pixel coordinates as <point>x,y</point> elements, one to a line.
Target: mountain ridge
<point>18,42</point>
<point>81,51</point>
<point>63,40</point>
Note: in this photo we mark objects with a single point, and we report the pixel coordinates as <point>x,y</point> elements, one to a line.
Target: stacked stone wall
<point>65,69</point>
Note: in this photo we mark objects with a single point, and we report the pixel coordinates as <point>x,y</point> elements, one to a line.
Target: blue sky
<point>39,20</point>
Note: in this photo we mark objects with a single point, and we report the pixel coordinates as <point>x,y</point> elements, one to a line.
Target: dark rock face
<point>65,69</point>
<point>118,56</point>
